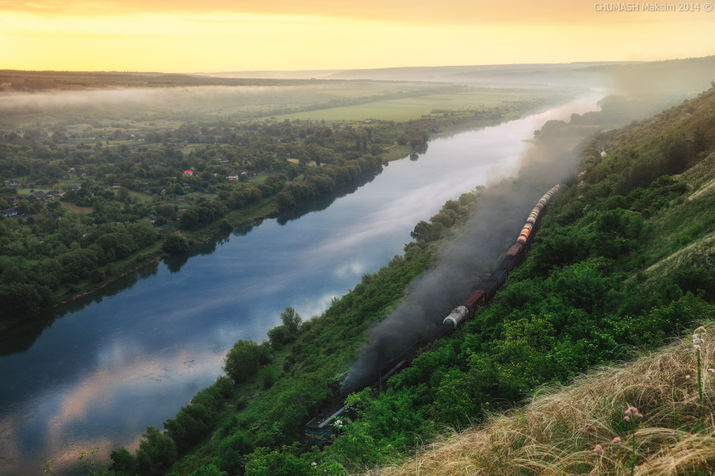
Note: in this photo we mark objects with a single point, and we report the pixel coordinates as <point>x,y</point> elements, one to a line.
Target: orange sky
<point>225,35</point>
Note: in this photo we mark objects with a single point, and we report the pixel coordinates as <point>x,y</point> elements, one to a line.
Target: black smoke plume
<point>460,264</point>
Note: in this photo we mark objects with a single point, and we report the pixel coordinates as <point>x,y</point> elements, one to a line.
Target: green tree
<point>244,359</point>
<point>156,453</point>
<point>175,244</point>
<point>190,426</point>
<point>264,462</point>
<point>207,470</point>
<point>286,200</point>
<point>231,453</point>
<point>123,462</point>
<point>279,337</point>
<point>291,320</point>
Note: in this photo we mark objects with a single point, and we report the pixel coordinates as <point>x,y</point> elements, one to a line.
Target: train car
<point>319,430</point>
<point>466,310</point>
<point>516,253</point>
<point>458,315</point>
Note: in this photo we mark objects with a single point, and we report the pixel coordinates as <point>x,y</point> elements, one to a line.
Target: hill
<point>19,80</point>
<point>623,263</point>
<point>581,429</point>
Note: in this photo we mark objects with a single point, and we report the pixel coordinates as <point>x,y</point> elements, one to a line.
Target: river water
<point>99,375</point>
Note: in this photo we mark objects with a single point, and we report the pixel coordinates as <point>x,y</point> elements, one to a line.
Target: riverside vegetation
<point>622,264</point>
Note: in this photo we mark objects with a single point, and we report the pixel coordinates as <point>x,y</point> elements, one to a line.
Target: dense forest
<point>622,262</point>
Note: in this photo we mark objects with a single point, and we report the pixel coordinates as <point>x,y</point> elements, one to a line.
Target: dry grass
<point>695,253</point>
<point>556,433</point>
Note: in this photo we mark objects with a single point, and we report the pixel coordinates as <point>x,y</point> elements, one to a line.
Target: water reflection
<point>129,359</point>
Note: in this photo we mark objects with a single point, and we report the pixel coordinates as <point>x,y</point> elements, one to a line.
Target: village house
<point>9,212</point>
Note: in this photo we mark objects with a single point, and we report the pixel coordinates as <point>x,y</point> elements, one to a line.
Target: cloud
<point>315,306</point>
<point>352,268</point>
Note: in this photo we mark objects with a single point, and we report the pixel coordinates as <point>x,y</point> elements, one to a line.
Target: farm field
<point>463,101</point>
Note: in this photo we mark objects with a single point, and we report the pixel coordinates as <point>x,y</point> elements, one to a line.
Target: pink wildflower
<point>598,448</point>
<point>616,440</point>
<point>627,418</point>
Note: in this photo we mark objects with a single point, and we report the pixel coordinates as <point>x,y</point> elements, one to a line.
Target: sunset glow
<point>218,35</point>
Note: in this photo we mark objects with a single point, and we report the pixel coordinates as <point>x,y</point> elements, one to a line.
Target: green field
<point>415,106</point>
<point>97,115</point>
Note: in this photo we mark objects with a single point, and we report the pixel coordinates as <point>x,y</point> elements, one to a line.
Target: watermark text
<point>653,7</point>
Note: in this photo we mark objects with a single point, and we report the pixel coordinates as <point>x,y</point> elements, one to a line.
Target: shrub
<point>244,359</point>
<point>175,244</point>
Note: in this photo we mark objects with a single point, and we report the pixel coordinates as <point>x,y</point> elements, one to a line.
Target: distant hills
<point>15,80</point>
<point>668,74</point>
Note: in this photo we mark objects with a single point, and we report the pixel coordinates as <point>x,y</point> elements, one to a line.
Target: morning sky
<point>224,35</point>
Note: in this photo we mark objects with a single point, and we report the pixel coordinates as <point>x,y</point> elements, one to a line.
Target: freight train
<point>319,429</point>
<point>513,258</point>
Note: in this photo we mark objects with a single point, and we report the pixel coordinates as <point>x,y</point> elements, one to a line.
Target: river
<point>100,374</point>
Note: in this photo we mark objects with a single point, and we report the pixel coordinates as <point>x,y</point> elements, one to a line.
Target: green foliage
<point>208,470</point>
<point>288,332</point>
<point>244,359</point>
<point>191,424</point>
<point>156,453</point>
<point>291,320</point>
<point>231,453</point>
<point>264,462</point>
<point>91,464</point>
<point>175,243</point>
<point>123,462</point>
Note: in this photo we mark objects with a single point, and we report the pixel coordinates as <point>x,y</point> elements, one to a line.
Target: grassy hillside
<point>580,428</point>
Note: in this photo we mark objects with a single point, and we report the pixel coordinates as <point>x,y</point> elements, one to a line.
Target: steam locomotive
<point>319,429</point>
